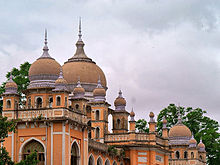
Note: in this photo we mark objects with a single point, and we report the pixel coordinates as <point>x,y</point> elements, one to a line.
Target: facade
<point>65,120</point>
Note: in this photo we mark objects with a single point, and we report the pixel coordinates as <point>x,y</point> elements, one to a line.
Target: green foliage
<point>30,160</point>
<point>112,149</point>
<point>20,77</point>
<point>4,157</point>
<point>5,127</point>
<point>141,125</point>
<point>200,125</point>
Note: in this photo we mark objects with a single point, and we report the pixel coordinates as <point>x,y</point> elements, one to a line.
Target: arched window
<point>50,102</point>
<point>97,132</point>
<point>65,101</point>
<point>8,104</point>
<point>97,115</point>
<point>200,157</point>
<point>185,155</point>
<point>107,162</point>
<point>99,161</point>
<point>39,102</point>
<point>77,106</point>
<point>58,100</point>
<point>34,146</point>
<point>177,154</point>
<point>75,156</point>
<point>114,163</point>
<point>29,102</point>
<point>192,155</point>
<point>91,160</point>
<point>118,124</point>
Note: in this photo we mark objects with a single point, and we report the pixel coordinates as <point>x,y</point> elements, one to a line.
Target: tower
<point>120,115</point>
<point>99,116</point>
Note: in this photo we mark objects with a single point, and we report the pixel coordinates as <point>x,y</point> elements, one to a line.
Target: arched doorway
<point>34,146</point>
<point>39,102</point>
<point>75,156</point>
<point>99,161</point>
<point>107,162</point>
<point>91,160</point>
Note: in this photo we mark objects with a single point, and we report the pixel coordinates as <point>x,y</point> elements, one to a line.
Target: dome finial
<point>61,73</point>
<point>179,116</point>
<point>80,31</point>
<point>45,48</point>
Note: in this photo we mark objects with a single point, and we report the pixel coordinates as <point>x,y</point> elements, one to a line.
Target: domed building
<point>84,67</point>
<point>65,120</point>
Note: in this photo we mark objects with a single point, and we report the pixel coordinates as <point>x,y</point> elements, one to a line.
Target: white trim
<point>98,159</point>
<point>60,133</point>
<point>12,146</point>
<point>108,161</point>
<point>93,159</point>
<point>51,144</point>
<point>63,144</point>
<point>24,143</point>
<point>74,141</point>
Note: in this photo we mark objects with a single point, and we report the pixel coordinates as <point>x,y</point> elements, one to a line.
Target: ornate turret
<point>60,83</point>
<point>99,92</point>
<point>120,102</point>
<point>79,91</point>
<point>192,142</point>
<point>201,146</point>
<point>11,87</point>
<point>132,121</point>
<point>165,129</point>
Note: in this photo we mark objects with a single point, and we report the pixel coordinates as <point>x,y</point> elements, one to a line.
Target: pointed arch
<point>91,160</point>
<point>99,161</point>
<point>26,142</point>
<point>75,153</point>
<point>107,162</point>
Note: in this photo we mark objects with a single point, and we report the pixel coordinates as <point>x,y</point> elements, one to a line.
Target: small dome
<point>99,90</point>
<point>164,120</point>
<point>120,100</point>
<point>192,141</point>
<point>60,79</point>
<point>201,144</point>
<point>132,114</point>
<point>180,130</point>
<point>151,115</point>
<point>11,84</point>
<point>78,89</point>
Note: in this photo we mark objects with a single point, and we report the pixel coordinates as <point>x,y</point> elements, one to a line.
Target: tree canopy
<point>200,125</point>
<point>20,77</point>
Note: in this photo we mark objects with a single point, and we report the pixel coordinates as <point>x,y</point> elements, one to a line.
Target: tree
<point>141,125</point>
<point>20,77</point>
<point>30,160</point>
<point>5,127</point>
<point>200,125</point>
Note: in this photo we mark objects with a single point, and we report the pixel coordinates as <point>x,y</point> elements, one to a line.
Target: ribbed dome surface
<point>119,101</point>
<point>180,130</point>
<point>11,84</point>
<point>87,71</point>
<point>44,66</point>
<point>99,92</point>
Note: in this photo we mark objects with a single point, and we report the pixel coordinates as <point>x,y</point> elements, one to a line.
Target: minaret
<point>99,115</point>
<point>78,101</point>
<point>120,115</point>
<point>132,121</point>
<point>10,99</point>
<point>165,129</point>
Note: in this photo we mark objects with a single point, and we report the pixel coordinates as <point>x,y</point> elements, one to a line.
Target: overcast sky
<point>158,52</point>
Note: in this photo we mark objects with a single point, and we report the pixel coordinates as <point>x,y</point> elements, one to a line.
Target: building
<point>65,120</point>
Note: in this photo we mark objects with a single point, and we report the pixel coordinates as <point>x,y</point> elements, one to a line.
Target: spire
<point>10,78</point>
<point>99,85</point>
<point>78,83</point>
<point>179,116</point>
<point>120,93</point>
<point>45,48</point>
<point>61,73</point>
<point>80,32</point>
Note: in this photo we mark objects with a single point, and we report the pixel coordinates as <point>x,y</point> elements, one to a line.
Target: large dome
<point>44,67</point>
<point>180,130</point>
<point>88,73</point>
<point>44,71</point>
<point>82,67</point>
